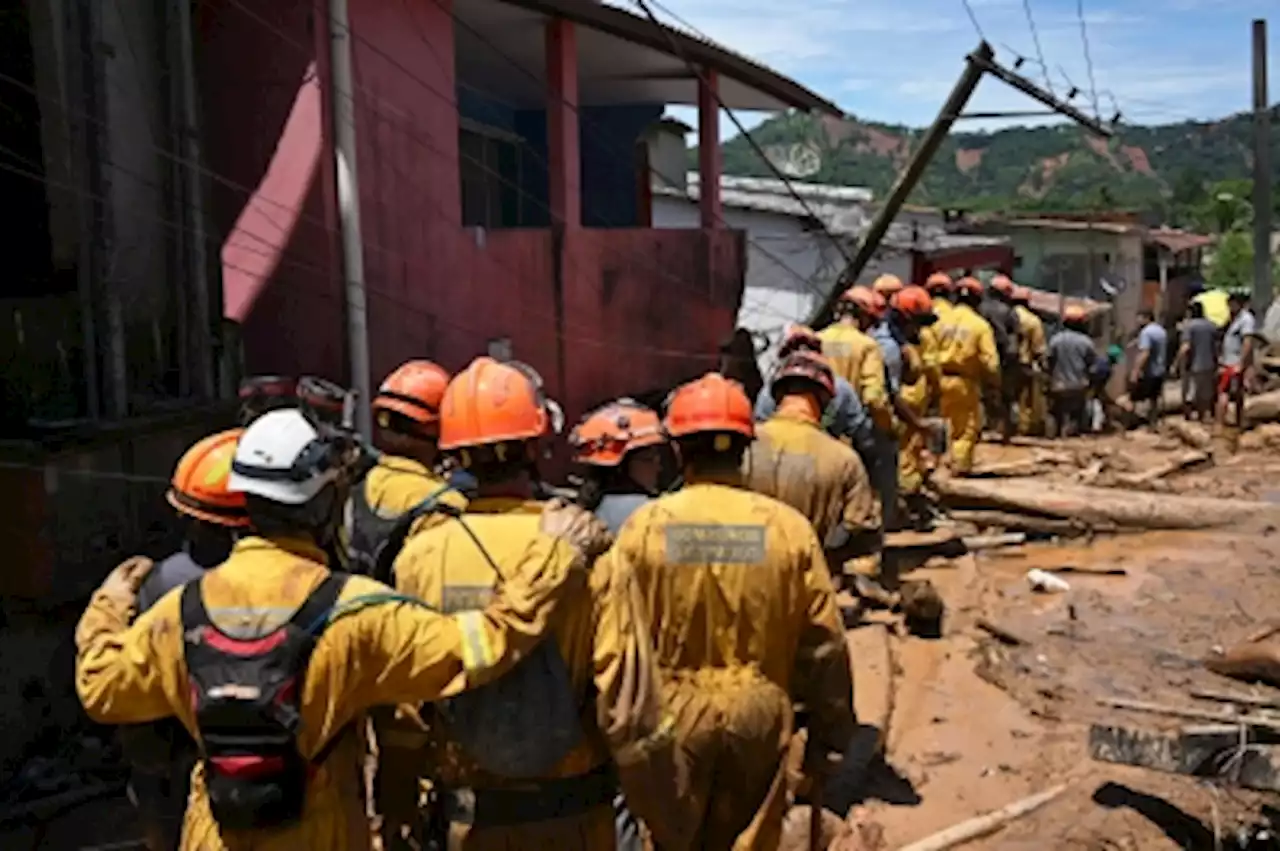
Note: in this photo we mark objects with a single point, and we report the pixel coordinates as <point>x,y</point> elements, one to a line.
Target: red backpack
<point>246,695</point>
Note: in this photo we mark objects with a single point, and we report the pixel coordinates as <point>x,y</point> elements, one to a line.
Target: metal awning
<point>622,59</point>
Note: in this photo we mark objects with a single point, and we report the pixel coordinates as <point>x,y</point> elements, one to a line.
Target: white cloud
<point>896,60</point>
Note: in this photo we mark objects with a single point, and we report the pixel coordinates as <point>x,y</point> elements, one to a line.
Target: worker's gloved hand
<point>577,526</point>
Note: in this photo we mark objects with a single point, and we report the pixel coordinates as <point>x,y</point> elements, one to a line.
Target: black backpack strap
<point>194,613</point>
<point>316,608</point>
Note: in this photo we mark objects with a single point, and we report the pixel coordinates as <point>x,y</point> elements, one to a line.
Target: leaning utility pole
<point>1261,173</point>
<point>981,61</point>
<point>344,152</point>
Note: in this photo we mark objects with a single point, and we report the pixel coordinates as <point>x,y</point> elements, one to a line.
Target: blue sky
<point>895,60</point>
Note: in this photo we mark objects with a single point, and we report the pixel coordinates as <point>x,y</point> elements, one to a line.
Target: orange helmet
<point>866,300</point>
<point>809,366</point>
<point>970,286</point>
<point>939,282</point>
<point>887,285</point>
<point>414,391</point>
<point>800,338</point>
<point>492,402</point>
<point>1003,284</point>
<point>199,485</point>
<point>607,434</point>
<point>1022,295</point>
<point>712,403</point>
<point>1074,314</point>
<point>914,302</point>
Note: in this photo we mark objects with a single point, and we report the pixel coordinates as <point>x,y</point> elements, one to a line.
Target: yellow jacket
<point>1031,341</point>
<point>603,637</point>
<point>398,484</point>
<point>736,579</point>
<point>920,372</point>
<point>967,346</point>
<point>375,654</point>
<point>856,357</point>
<point>796,462</point>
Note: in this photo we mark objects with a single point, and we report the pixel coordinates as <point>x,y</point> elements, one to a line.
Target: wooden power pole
<point>981,61</point>
<point>1261,173</point>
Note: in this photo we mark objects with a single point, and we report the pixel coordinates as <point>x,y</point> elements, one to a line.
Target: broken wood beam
<point>1067,528</point>
<point>1004,634</point>
<point>1236,697</point>
<point>983,825</point>
<point>1192,434</point>
<point>1012,469</point>
<point>1174,465</point>
<point>1263,408</point>
<point>1260,721</point>
<point>1207,751</point>
<point>1125,508</point>
<point>973,543</point>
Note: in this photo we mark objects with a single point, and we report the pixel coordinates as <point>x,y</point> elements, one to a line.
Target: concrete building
<point>175,222</point>
<point>796,251</point>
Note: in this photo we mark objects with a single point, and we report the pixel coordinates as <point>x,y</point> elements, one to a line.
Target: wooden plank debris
<point>983,825</point>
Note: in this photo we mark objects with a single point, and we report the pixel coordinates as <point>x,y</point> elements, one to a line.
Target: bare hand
<point>577,526</point>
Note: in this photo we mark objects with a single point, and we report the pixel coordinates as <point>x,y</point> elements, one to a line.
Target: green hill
<point>1161,169</point>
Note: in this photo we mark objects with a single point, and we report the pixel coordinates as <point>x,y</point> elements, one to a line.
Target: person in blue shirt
<point>1146,379</point>
<point>620,447</point>
<point>844,417</point>
<point>884,473</point>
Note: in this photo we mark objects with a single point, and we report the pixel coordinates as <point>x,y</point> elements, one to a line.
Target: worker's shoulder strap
<point>310,616</point>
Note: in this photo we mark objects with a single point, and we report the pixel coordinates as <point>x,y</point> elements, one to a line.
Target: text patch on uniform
<point>465,598</point>
<point>699,543</point>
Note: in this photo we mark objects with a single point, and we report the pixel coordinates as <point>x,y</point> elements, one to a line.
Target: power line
<point>1088,59</point>
<point>974,19</point>
<point>751,140</point>
<point>1035,38</point>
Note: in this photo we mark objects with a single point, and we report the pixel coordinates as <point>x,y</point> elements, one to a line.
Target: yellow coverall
<point>797,462</point>
<point>603,637</point>
<point>967,359</point>
<point>856,357</point>
<point>919,389</point>
<point>744,622</point>
<point>385,653</point>
<point>396,485</point>
<point>1032,347</point>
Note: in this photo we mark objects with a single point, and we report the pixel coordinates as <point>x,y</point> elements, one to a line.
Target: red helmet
<point>414,391</point>
<point>809,366</point>
<point>866,300</point>
<point>970,286</point>
<point>491,402</point>
<point>1022,295</point>
<point>606,435</point>
<point>712,403</point>
<point>1074,314</point>
<point>199,485</point>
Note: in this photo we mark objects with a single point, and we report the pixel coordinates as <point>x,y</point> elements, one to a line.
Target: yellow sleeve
<point>1037,339</point>
<point>824,679</point>
<point>987,354</point>
<point>861,511</point>
<point>406,653</point>
<point>871,381</point>
<point>130,674</point>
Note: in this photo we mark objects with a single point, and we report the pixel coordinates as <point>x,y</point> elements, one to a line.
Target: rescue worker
<point>997,309</point>
<point>1072,361</point>
<point>857,357</point>
<point>911,315</point>
<point>942,290</point>
<point>744,621</point>
<point>845,418</point>
<point>1031,358</point>
<point>794,461</point>
<point>887,286</point>
<point>280,763</point>
<point>968,363</point>
<point>162,754</point>
<point>536,759</point>
<point>406,411</point>
<point>621,447</point>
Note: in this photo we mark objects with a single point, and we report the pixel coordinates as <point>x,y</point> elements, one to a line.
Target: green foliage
<point>1232,267</point>
<point>1036,168</point>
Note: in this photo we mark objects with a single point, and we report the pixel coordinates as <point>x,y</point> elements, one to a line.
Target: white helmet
<point>281,457</point>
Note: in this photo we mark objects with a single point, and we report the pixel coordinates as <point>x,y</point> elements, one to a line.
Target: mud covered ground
<point>974,724</point>
<point>977,724</point>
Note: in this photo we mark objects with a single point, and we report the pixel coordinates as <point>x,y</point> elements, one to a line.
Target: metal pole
<point>344,120</point>
<point>1261,173</point>
<point>907,182</point>
<point>198,257</point>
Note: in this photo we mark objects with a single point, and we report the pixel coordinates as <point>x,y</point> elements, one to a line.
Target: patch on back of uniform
<point>709,543</point>
<point>465,598</point>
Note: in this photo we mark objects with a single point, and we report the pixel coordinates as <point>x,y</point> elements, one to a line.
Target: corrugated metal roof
<point>1178,240</point>
<point>1069,225</point>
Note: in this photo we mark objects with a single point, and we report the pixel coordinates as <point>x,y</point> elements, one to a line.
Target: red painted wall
<point>597,312</point>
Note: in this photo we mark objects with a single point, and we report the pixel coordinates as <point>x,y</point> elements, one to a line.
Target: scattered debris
<point>1192,434</point>
<point>922,608</point>
<point>974,543</point>
<point>1174,465</point>
<point>1004,634</point>
<point>1251,661</point>
<point>1051,526</point>
<point>1236,698</point>
<point>1219,751</point>
<point>1046,583</point>
<point>985,824</point>
<point>1259,721</point>
<point>1089,570</point>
